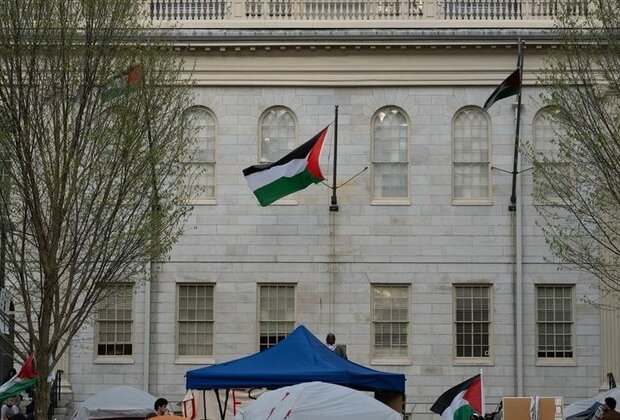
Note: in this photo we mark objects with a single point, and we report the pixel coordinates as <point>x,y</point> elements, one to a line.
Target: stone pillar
<point>610,336</point>
<point>63,365</point>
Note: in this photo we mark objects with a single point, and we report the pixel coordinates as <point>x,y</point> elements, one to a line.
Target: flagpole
<point>334,201</point>
<point>513,196</point>
<point>482,394</point>
<point>518,240</point>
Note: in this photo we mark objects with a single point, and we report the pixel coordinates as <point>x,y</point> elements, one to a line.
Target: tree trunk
<point>42,390</point>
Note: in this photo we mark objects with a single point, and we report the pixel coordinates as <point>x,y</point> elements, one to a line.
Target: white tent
<point>317,400</point>
<point>117,402</point>
<point>584,409</point>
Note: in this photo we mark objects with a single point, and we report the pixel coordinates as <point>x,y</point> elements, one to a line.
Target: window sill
<point>203,202</point>
<point>473,362</point>
<point>113,360</point>
<point>465,202</point>
<point>194,360</point>
<point>390,202</point>
<point>285,202</point>
<point>556,362</point>
<point>397,361</point>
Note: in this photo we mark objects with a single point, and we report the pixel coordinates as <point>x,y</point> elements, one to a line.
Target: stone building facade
<point>423,269</point>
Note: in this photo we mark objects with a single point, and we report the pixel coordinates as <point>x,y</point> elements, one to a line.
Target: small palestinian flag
<point>508,87</point>
<point>461,401</point>
<point>20,382</point>
<point>294,172</point>
<point>123,84</point>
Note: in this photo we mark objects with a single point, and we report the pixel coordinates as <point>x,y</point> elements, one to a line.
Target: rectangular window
<point>115,322</point>
<point>390,321</point>
<point>472,321</point>
<point>195,320</point>
<point>554,321</point>
<point>276,313</point>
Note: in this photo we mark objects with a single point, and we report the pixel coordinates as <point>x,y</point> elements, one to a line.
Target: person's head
<point>13,400</point>
<point>160,406</point>
<point>331,339</point>
<point>611,403</point>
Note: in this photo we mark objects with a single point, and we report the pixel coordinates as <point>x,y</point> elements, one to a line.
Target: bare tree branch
<point>95,185</point>
<point>583,80</point>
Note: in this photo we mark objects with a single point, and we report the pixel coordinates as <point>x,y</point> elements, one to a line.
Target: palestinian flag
<point>509,87</point>
<point>294,172</point>
<point>20,382</point>
<point>460,402</point>
<point>123,84</point>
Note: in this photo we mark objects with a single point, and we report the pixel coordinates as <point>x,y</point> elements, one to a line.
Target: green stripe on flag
<point>283,187</point>
<point>113,92</point>
<point>506,92</point>
<point>464,412</point>
<point>17,388</point>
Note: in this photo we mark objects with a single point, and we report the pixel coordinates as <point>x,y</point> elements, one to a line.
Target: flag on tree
<point>123,84</point>
<point>25,378</point>
<point>461,401</point>
<point>508,87</point>
<point>294,172</point>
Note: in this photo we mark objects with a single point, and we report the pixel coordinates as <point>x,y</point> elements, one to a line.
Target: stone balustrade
<point>348,13</point>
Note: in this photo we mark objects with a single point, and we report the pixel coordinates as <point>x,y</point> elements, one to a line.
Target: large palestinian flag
<point>461,401</point>
<point>508,87</point>
<point>294,172</point>
<point>20,382</point>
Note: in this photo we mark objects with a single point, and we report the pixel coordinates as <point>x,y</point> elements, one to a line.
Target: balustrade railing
<point>333,10</point>
<point>361,10</point>
<point>551,8</point>
<point>189,9</point>
<point>482,9</point>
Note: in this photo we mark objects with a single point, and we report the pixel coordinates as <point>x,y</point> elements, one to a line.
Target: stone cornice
<point>246,38</point>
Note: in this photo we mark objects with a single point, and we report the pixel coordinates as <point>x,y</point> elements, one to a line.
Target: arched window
<point>278,133</point>
<point>543,132</point>
<point>203,155</point>
<point>547,159</point>
<point>471,154</point>
<point>390,154</point>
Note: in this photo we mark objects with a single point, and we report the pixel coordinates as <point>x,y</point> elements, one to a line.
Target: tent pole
<point>204,403</point>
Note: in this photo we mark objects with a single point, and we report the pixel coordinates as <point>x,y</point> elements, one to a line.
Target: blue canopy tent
<point>300,357</point>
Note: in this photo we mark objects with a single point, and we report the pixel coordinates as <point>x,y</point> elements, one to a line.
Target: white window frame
<point>289,200</point>
<point>547,360</point>
<point>488,200</point>
<point>377,359</point>
<point>198,358</point>
<point>261,319</point>
<point>485,359</point>
<point>124,358</point>
<point>405,200</point>
<point>547,200</point>
<point>205,164</point>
